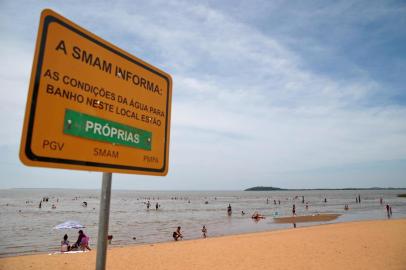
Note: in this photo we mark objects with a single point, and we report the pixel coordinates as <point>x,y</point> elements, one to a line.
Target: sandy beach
<point>355,245</point>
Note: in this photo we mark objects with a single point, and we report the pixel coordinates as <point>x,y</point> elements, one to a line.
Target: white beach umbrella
<point>70,224</point>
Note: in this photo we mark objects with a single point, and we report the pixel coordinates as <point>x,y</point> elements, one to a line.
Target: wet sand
<point>312,218</point>
<point>355,245</point>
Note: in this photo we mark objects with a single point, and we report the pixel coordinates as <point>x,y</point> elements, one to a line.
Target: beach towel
<point>68,252</point>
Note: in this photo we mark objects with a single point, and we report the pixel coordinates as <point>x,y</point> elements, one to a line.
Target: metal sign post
<point>103,222</point>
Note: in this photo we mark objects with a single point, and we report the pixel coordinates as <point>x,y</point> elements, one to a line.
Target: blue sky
<point>295,94</point>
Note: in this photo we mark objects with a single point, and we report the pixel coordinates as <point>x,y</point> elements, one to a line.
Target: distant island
<point>262,188</point>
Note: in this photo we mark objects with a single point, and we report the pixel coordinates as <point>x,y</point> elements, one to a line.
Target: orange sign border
<point>26,154</point>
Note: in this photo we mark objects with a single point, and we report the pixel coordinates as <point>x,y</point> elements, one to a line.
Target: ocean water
<point>27,229</point>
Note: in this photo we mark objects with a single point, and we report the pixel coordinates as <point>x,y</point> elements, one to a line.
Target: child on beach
<point>65,244</point>
<point>204,231</point>
<point>177,234</point>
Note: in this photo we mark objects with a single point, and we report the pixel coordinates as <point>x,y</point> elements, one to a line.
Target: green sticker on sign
<point>94,128</point>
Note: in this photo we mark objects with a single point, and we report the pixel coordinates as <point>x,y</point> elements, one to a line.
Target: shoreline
<point>307,224</point>
<point>285,220</point>
<point>377,244</point>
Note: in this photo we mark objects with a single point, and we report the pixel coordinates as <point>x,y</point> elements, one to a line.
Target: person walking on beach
<point>177,234</point>
<point>204,231</point>
<point>294,210</point>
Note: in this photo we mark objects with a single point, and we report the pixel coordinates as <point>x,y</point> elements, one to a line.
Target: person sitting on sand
<point>177,234</point>
<point>65,244</point>
<point>82,242</point>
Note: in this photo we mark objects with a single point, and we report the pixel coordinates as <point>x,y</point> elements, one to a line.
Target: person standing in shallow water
<point>294,210</point>
<point>204,231</point>
<point>229,210</point>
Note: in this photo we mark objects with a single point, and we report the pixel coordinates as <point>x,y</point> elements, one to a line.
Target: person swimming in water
<point>257,216</point>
